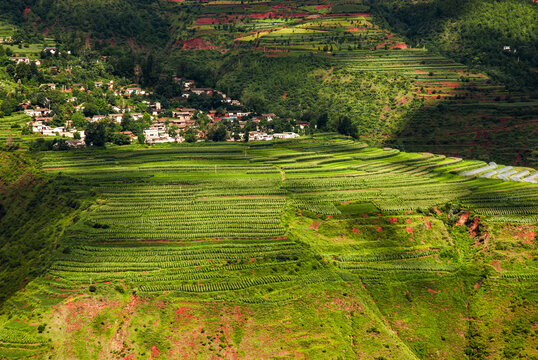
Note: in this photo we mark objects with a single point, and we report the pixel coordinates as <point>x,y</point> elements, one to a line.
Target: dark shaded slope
<point>34,209</point>
<point>474,33</point>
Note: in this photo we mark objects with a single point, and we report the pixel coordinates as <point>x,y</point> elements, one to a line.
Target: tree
<point>190,135</point>
<point>345,126</point>
<point>79,121</point>
<point>172,130</point>
<point>121,139</point>
<point>141,138</point>
<point>27,130</point>
<point>9,106</point>
<point>217,133</point>
<point>322,122</point>
<point>95,134</point>
<point>201,120</point>
<point>127,122</point>
<point>90,110</point>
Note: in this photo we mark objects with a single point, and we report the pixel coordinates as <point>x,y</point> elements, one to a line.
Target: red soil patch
<point>26,12</point>
<point>437,210</point>
<point>315,225</point>
<point>477,285</point>
<point>379,228</point>
<point>429,225</point>
<point>280,6</point>
<point>182,310</point>
<point>263,15</point>
<point>530,237</point>
<point>206,21</point>
<point>323,6</point>
<point>355,230</point>
<point>496,265</point>
<point>154,352</point>
<point>59,295</point>
<point>399,46</point>
<point>463,219</point>
<point>403,100</point>
<point>409,229</point>
<point>433,291</point>
<point>197,44</point>
<point>408,221</point>
<point>393,220</point>
<point>329,217</point>
<point>474,226</point>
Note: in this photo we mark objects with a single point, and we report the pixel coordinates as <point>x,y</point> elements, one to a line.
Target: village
<point>155,122</point>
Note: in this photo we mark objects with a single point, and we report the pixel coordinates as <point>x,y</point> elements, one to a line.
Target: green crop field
<point>284,249</point>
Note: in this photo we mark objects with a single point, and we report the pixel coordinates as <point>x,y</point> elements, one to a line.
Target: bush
<point>92,288</point>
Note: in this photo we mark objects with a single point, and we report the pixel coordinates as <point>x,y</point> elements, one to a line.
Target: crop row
<point>395,267</point>
<point>12,337</point>
<point>229,286</point>
<point>385,257</point>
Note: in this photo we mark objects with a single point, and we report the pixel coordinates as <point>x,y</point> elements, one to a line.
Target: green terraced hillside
<point>316,248</point>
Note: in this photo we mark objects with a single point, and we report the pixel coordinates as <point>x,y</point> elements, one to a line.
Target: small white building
<point>38,112</point>
<point>97,118</point>
<point>286,135</point>
<point>116,117</point>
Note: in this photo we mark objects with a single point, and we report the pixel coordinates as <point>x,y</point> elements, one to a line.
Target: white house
<point>286,135</point>
<point>37,112</point>
<point>97,118</point>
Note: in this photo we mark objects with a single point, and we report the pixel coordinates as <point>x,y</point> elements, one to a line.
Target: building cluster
<point>190,88</point>
<point>166,125</point>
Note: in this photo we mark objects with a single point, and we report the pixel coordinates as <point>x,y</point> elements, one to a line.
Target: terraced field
<point>11,127</point>
<point>231,245</point>
<point>481,118</point>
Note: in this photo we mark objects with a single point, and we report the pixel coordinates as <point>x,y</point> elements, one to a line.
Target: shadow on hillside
<point>503,132</point>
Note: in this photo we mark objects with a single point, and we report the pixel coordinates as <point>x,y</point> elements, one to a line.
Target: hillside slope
<point>314,248</point>
<point>34,210</point>
<point>499,37</point>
